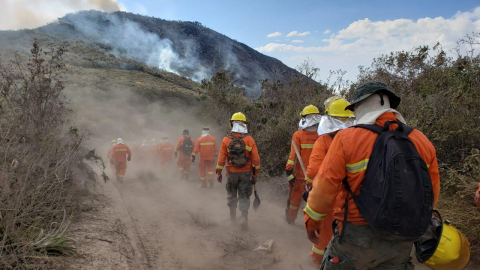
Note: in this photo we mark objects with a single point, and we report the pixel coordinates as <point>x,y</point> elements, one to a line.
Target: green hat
<point>367,89</point>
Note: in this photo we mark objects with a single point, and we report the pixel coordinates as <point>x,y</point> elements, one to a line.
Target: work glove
<point>219,177</point>
<point>291,177</point>
<point>129,158</point>
<point>193,159</point>
<point>313,237</point>
<point>477,198</point>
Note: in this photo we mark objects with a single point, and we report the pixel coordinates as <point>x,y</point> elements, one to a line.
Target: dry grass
<point>41,155</point>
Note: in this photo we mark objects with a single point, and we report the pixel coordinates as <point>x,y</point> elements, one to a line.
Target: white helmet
<point>119,141</point>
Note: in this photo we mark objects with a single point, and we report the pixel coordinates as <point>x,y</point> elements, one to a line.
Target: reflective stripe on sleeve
<point>248,148</point>
<point>306,145</point>
<point>120,150</point>
<point>357,167</point>
<point>291,162</point>
<point>308,179</point>
<point>290,177</point>
<point>428,166</point>
<point>316,250</point>
<point>257,167</point>
<point>219,167</point>
<point>207,143</point>
<point>293,207</point>
<point>314,215</point>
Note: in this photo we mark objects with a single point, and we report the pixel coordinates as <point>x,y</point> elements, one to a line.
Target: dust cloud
<point>20,14</point>
<point>176,224</point>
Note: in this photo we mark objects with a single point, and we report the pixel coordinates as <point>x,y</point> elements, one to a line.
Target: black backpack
<point>396,197</point>
<point>237,151</point>
<point>187,146</point>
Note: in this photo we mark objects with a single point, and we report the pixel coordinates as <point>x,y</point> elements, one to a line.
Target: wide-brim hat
<point>367,89</point>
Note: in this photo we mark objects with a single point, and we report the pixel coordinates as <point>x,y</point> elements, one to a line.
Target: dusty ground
<point>159,222</point>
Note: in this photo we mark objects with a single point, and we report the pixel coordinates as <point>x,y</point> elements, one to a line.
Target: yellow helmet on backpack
<point>443,247</point>
<point>310,109</point>
<point>335,106</point>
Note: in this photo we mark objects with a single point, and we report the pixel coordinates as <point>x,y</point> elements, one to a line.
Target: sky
<point>341,34</point>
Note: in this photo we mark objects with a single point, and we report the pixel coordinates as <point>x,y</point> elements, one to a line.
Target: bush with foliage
<point>41,155</point>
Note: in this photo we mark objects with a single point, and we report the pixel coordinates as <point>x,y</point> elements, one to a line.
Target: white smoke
<point>19,14</point>
<point>128,39</point>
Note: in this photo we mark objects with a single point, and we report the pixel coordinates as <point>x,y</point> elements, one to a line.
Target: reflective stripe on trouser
<point>363,249</point>
<point>207,169</point>
<point>238,184</point>
<point>120,169</point>
<point>326,233</point>
<point>295,199</point>
<point>183,164</point>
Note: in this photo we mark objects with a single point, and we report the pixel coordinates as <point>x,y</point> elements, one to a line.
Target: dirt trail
<point>174,224</point>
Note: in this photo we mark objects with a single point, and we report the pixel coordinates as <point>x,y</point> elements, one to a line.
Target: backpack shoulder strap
<point>406,129</point>
<point>374,128</point>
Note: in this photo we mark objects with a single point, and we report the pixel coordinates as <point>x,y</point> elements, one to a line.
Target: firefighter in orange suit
<point>165,152</point>
<point>304,139</point>
<point>120,154</point>
<point>336,118</point>
<point>109,155</point>
<point>184,151</point>
<point>206,145</point>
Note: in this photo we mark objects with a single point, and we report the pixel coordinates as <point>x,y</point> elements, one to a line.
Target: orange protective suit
<point>304,140</point>
<point>119,156</point>
<point>184,161</point>
<point>251,153</point>
<point>207,147</point>
<point>165,154</point>
<point>320,149</point>
<point>348,158</point>
<point>110,159</point>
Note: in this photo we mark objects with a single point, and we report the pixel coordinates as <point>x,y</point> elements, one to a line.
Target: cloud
<point>363,40</point>
<point>327,31</point>
<point>274,34</point>
<point>304,34</point>
<point>296,33</point>
<point>293,33</point>
<point>18,14</point>
<point>297,41</point>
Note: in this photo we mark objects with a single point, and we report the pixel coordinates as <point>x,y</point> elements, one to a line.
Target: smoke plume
<point>19,14</point>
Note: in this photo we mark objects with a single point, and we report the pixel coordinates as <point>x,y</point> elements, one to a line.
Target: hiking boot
<point>244,221</point>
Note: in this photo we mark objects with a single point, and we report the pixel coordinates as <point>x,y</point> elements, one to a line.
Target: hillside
<point>123,40</point>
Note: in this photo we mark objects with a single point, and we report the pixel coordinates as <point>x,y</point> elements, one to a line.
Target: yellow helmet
<point>335,106</point>
<point>114,141</point>
<point>239,117</point>
<point>448,249</point>
<point>310,109</point>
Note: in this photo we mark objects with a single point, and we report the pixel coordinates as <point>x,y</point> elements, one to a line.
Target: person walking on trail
<point>206,145</point>
<point>184,151</point>
<point>164,153</point>
<point>304,139</point>
<point>336,118</point>
<point>391,171</point>
<point>109,155</point>
<point>239,151</point>
<point>120,154</point>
